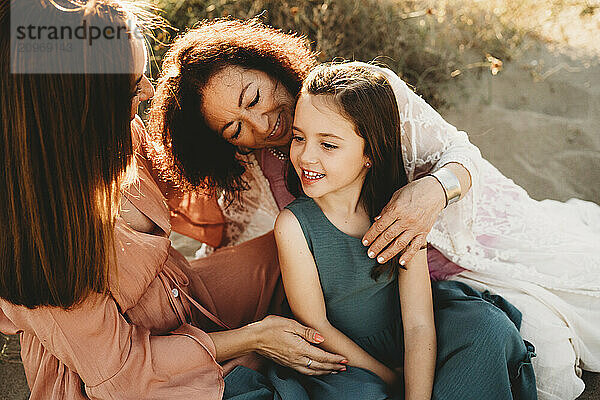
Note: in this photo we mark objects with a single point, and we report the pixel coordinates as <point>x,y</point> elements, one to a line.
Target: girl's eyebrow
<point>325,134</point>
<point>322,134</point>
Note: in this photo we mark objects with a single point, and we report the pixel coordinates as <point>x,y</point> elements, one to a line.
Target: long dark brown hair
<point>182,147</point>
<point>366,99</point>
<point>66,143</point>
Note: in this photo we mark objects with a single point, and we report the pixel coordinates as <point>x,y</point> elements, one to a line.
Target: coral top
<point>144,338</point>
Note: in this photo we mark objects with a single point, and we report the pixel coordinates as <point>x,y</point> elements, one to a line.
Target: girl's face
<point>327,153</point>
<point>248,108</point>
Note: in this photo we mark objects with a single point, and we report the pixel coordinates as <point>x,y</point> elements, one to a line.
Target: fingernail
<point>343,369</point>
<point>334,372</point>
<point>365,242</point>
<point>318,337</point>
<point>380,260</point>
<point>344,362</point>
<point>371,254</point>
<point>402,262</point>
<point>377,217</point>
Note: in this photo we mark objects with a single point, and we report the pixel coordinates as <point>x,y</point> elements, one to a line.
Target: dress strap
<point>180,280</point>
<point>204,311</point>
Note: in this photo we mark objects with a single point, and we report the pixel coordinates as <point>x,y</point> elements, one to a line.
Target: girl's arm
<point>303,290</point>
<point>419,328</point>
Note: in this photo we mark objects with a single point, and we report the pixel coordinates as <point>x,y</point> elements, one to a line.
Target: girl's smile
<point>310,177</point>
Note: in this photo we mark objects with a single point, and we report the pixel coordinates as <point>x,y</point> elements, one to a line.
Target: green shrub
<point>426,46</point>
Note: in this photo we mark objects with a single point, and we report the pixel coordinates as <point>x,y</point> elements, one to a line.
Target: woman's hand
<point>288,343</point>
<point>404,223</point>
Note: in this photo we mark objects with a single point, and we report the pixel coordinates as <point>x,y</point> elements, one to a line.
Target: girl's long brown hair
<point>366,99</point>
<point>66,142</point>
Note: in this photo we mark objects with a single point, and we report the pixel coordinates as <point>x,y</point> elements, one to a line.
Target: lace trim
<point>255,212</point>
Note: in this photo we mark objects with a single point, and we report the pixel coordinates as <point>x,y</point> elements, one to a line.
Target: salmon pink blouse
<point>140,341</point>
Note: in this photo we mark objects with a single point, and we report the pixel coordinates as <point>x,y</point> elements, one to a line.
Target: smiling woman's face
<point>248,108</point>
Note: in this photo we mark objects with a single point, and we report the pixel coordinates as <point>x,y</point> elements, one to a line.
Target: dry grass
<point>427,42</point>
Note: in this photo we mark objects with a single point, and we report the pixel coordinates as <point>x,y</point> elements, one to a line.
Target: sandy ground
<point>538,121</point>
<point>542,133</point>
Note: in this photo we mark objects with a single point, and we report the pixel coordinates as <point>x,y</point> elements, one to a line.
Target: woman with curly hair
<point>221,121</point>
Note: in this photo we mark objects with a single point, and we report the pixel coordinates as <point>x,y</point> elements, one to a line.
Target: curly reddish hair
<point>181,146</point>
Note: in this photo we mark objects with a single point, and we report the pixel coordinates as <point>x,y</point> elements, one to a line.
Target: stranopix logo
<point>85,32</point>
<point>51,39</point>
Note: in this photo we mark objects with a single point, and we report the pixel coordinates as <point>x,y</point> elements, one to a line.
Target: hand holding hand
<point>289,343</point>
<point>404,223</point>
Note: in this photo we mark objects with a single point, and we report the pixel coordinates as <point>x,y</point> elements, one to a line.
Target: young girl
<point>346,151</point>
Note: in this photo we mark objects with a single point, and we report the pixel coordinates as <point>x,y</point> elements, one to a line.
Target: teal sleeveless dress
<point>480,353</point>
<point>366,311</point>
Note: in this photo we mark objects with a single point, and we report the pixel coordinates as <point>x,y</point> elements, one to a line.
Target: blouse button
<point>175,292</point>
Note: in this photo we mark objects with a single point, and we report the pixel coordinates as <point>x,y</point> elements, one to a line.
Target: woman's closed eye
<point>329,146</point>
<point>297,138</point>
<point>256,98</point>
<point>237,131</point>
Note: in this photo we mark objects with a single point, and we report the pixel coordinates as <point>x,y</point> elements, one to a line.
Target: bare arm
<point>283,340</point>
<point>336,341</point>
<point>234,343</point>
<point>419,328</point>
<point>303,290</point>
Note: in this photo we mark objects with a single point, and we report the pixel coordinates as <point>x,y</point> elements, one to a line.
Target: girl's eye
<point>329,146</point>
<point>297,138</point>
<point>253,103</point>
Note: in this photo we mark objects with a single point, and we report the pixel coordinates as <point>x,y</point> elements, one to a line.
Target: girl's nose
<point>308,155</point>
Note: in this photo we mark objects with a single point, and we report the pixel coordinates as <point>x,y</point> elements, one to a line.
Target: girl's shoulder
<point>300,203</point>
<point>305,209</point>
<point>299,218</point>
<point>294,214</point>
<point>287,226</point>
